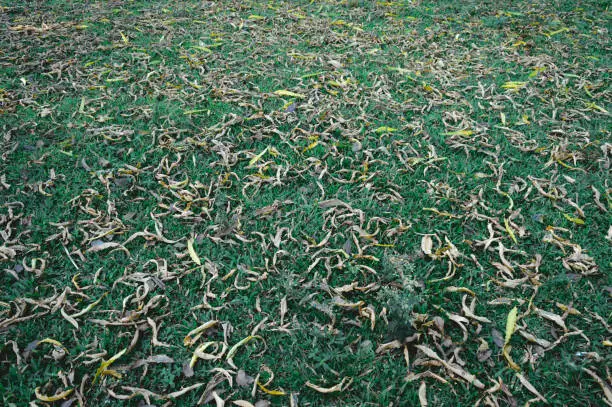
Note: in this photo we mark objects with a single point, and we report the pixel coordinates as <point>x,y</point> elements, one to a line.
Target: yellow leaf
<point>577,221</point>
<point>453,289</point>
<point>235,348</point>
<point>427,87</point>
<point>258,156</point>
<point>124,38</point>
<point>385,129</point>
<point>593,106</point>
<point>49,399</point>
<point>89,307</point>
<point>515,86</point>
<point>53,342</point>
<point>192,253</point>
<point>284,92</point>
<point>103,369</point>
<point>463,133</point>
<point>270,392</point>
<point>255,17</point>
<point>509,230</point>
<point>510,327</point>
<point>559,31</point>
<point>310,146</point>
<point>196,111</point>
<point>199,352</point>
<point>441,213</point>
<point>193,336</point>
<point>511,363</point>
<point>510,324</point>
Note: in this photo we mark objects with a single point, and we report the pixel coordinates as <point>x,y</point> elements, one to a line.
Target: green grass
<point>129,117</point>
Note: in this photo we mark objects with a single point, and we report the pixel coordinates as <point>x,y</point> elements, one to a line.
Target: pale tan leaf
<point>604,386</point>
<point>423,394</point>
<point>530,387</point>
<point>552,317</point>
<point>427,244</point>
<point>337,388</point>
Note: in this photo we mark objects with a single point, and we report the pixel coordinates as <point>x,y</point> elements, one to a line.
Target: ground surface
<point>362,203</point>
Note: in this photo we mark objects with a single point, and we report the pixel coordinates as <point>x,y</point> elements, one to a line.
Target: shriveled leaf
<point>552,317</point>
<point>104,365</point>
<point>194,334</point>
<point>427,244</point>
<point>234,349</point>
<point>258,156</point>
<point>346,381</point>
<point>530,387</point>
<point>192,253</point>
<point>284,92</point>
<point>269,391</point>
<point>55,397</point>
<point>385,129</point>
<point>604,386</point>
<point>463,133</point>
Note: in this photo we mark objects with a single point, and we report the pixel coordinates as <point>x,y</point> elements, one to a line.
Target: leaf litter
<point>357,197</point>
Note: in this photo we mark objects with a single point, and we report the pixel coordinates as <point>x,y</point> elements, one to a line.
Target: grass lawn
<point>305,203</point>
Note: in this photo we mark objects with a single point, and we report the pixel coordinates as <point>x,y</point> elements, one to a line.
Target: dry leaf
<point>423,394</point>
<point>343,385</point>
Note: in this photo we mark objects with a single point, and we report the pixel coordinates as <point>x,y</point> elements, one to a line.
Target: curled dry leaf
<point>604,386</point>
<point>237,346</point>
<point>195,334</point>
<point>104,366</point>
<point>56,397</point>
<point>107,245</point>
<point>427,245</point>
<point>530,387</point>
<point>343,385</point>
<point>459,371</point>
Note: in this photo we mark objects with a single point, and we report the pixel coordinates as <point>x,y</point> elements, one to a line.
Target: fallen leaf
<point>192,253</point>
<point>423,394</point>
<point>283,92</point>
<point>56,397</point>
<point>337,388</point>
